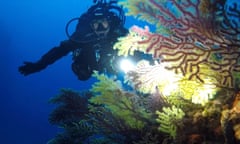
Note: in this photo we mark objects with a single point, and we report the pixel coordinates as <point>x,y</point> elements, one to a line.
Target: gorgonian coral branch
<point>195,37</point>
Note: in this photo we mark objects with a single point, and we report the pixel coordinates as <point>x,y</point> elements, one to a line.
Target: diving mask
<point>101,26</point>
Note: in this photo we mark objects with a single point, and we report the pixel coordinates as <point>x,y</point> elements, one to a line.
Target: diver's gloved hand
<point>30,67</point>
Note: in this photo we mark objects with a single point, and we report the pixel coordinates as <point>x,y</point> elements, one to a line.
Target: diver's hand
<point>30,67</point>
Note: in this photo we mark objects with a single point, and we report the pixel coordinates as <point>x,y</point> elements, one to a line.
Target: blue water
<point>28,29</point>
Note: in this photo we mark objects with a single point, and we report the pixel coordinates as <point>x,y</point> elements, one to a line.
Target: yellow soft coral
<point>128,44</point>
<point>141,9</point>
<point>197,92</point>
<point>169,119</point>
<point>109,93</point>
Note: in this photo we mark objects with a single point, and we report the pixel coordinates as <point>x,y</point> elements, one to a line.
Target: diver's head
<point>101,26</point>
<point>105,16</point>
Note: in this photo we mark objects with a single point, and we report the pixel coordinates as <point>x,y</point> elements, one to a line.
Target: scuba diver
<point>91,44</point>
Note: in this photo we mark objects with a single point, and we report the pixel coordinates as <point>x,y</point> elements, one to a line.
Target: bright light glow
<point>151,76</point>
<point>171,87</point>
<point>167,80</point>
<point>126,65</point>
<point>205,94</point>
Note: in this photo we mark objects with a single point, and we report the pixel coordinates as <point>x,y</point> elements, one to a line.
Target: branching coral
<point>146,78</point>
<point>69,115</point>
<point>132,40</point>
<point>71,107</point>
<point>196,46</point>
<point>198,40</point>
<point>138,8</point>
<point>126,108</point>
<point>193,39</point>
<point>169,119</point>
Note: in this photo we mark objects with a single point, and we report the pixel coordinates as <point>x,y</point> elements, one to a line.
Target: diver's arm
<point>49,58</point>
<point>57,52</point>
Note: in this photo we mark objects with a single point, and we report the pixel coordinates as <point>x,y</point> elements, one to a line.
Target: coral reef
<point>190,95</point>
<point>111,114</point>
<point>69,115</point>
<point>169,119</point>
<point>192,39</point>
<point>105,114</point>
<point>126,108</point>
<point>70,107</point>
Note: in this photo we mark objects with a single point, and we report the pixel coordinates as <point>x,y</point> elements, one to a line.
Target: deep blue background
<point>28,29</point>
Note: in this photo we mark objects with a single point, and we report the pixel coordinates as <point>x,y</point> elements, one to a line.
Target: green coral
<point>110,94</point>
<point>168,119</point>
<point>105,85</point>
<point>182,103</point>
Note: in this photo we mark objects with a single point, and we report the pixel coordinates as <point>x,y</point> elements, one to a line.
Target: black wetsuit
<point>89,51</point>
